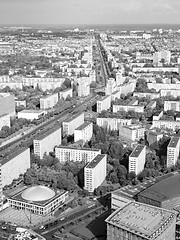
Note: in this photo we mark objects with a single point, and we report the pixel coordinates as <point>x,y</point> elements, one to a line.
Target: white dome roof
<point>37,193</point>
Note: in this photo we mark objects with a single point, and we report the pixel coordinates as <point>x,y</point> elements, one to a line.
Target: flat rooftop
<point>103,98</point>
<point>141,219</point>
<point>136,152</point>
<point>164,190</point>
<point>50,95</point>
<point>174,142</point>
<point>84,125</point>
<point>113,93</point>
<point>66,90</point>
<point>95,161</point>
<point>31,111</point>
<point>49,132</point>
<point>80,149</point>
<point>71,118</point>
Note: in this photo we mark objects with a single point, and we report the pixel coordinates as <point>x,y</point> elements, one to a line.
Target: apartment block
<point>64,94</point>
<point>20,103</point>
<point>83,87</point>
<point>157,116</point>
<point>126,108</point>
<point>14,164</point>
<point>46,142</point>
<point>31,114</point>
<point>110,86</point>
<point>95,172</point>
<point>83,132</point>
<point>127,87</point>
<point>7,104</point>
<point>173,151</point>
<point>113,123</point>
<point>65,154</point>
<point>133,132</point>
<point>138,221</point>
<point>170,92</point>
<point>151,105</point>
<point>146,95</point>
<point>174,125</point>
<point>153,137</point>
<point>104,103</point>
<point>49,101</point>
<point>70,124</point>
<point>115,95</point>
<point>137,159</point>
<point>172,105</point>
<point>4,121</point>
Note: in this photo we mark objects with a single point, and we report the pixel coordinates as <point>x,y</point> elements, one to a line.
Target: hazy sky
<point>89,11</point>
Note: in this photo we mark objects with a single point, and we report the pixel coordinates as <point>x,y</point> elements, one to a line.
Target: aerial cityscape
<point>89,120</point>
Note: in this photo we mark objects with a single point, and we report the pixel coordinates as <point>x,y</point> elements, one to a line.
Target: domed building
<point>38,199</point>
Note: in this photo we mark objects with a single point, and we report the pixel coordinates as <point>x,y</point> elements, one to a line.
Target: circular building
<point>38,199</point>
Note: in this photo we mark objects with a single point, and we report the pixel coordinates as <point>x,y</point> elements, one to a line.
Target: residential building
<point>120,78</point>
<point>157,116</point>
<point>163,86</point>
<point>112,123</point>
<point>83,132</point>
<point>146,95</point>
<point>14,164</point>
<point>65,154</point>
<point>110,86</point>
<point>46,142</point>
<point>133,132</point>
<point>154,69</point>
<point>95,172</point>
<point>31,114</point>
<point>172,105</point>
<point>164,54</point>
<point>154,137</point>
<point>70,124</point>
<point>7,104</point>
<point>127,87</point>
<point>4,121</point>
<point>64,94</point>
<point>163,124</point>
<point>104,103</point>
<point>151,105</point>
<point>83,87</point>
<point>126,108</point>
<point>20,103</point>
<point>49,101</point>
<point>141,222</point>
<point>173,151</point>
<point>115,95</point>
<point>137,159</point>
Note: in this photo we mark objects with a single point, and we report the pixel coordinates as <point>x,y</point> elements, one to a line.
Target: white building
<point>172,105</point>
<point>126,108</point>
<point>120,78</point>
<point>7,104</point>
<point>83,87</point>
<point>137,159</point>
<point>133,132</point>
<point>70,124</point>
<point>95,172</point>
<point>20,103</point>
<point>146,95</point>
<point>46,142</point>
<point>163,124</point>
<point>173,151</point>
<point>110,86</point>
<point>67,92</point>
<point>83,132</point>
<point>170,92</point>
<point>4,121</point>
<point>77,155</point>
<point>49,101</point>
<point>104,103</point>
<point>115,95</point>
<point>113,123</point>
<point>14,164</point>
<point>31,114</point>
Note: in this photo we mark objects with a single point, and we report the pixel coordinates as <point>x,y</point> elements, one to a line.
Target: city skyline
<point>89,12</point>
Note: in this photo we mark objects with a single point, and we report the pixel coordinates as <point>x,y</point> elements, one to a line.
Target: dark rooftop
<point>95,161</point>
<point>104,97</point>
<point>138,149</point>
<point>66,90</point>
<point>164,190</point>
<point>49,132</point>
<point>174,141</point>
<point>84,125</point>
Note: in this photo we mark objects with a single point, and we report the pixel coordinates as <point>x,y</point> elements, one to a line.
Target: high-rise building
<point>65,154</point>
<point>83,132</point>
<point>104,103</point>
<point>49,101</point>
<point>119,77</point>
<point>4,121</point>
<point>70,124</point>
<point>83,87</point>
<point>113,123</point>
<point>133,132</point>
<point>95,172</point>
<point>67,92</point>
<point>110,86</point>
<point>46,142</point>
<point>141,222</point>
<point>7,104</point>
<point>137,159</point>
<point>173,151</point>
<point>1,191</point>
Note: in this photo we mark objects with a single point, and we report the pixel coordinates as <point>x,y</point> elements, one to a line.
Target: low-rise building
<point>133,132</point>
<point>173,151</point>
<point>146,95</point>
<point>157,116</point>
<point>170,92</point>
<point>141,222</point>
<point>154,137</point>
<point>95,172</point>
<point>46,142</point>
<point>31,114</point>
<point>113,123</point>
<point>115,95</point>
<point>83,132</point>
<point>64,94</point>
<point>110,86</point>
<point>151,105</point>
<point>49,101</point>
<point>4,121</point>
<point>163,124</point>
<point>20,103</point>
<point>65,154</point>
<point>172,105</point>
<point>104,103</point>
<point>126,108</point>
<point>70,124</point>
<point>137,159</point>
<point>83,87</point>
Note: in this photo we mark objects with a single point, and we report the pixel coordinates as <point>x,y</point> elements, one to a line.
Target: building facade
<point>46,142</point>
<point>49,101</point>
<point>7,104</point>
<point>83,132</point>
<point>126,108</point>
<point>4,121</point>
<point>133,132</point>
<point>72,123</point>
<point>137,159</point>
<point>31,114</point>
<point>173,151</point>
<point>113,123</point>
<point>172,105</point>
<point>104,103</point>
<point>64,94</point>
<point>95,172</point>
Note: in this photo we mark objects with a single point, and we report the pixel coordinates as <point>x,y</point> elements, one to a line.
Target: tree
<point>116,150</point>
